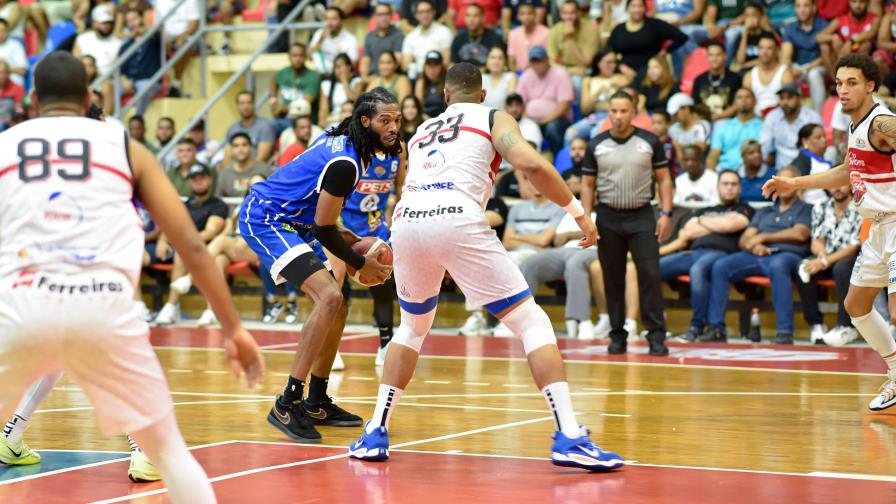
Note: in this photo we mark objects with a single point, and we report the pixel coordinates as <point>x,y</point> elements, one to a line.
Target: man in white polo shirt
<point>427,36</point>
<point>99,42</point>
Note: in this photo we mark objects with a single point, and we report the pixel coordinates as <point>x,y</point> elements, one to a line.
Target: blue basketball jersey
<point>291,193</point>
<point>363,211</point>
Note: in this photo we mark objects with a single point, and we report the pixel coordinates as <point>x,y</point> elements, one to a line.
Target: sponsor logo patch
<point>374,186</point>
<point>429,213</point>
<point>52,285</point>
<point>433,186</point>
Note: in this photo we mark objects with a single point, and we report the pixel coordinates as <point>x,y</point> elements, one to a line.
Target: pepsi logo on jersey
<point>374,186</point>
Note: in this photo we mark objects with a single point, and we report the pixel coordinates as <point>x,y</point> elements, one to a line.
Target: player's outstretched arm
<point>509,142</point>
<point>161,200</point>
<point>831,179</point>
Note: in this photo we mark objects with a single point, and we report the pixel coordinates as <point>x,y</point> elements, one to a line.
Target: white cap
<point>298,108</point>
<point>677,101</point>
<point>102,14</point>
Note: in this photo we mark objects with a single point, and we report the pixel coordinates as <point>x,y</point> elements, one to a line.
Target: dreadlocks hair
<point>365,106</point>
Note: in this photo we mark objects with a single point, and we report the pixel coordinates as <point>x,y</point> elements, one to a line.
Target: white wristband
<point>575,208</point>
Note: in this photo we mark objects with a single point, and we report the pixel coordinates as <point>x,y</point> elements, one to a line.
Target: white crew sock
<point>876,332</point>
<point>386,401</point>
<point>35,395</point>
<point>560,403</point>
<point>134,446</point>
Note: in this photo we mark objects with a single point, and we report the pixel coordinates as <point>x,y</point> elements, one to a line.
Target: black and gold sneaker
<point>328,413</point>
<point>294,422</point>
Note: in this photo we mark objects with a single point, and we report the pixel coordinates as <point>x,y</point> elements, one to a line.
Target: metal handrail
<point>284,25</point>
<point>255,27</point>
<point>140,41</point>
<point>181,51</point>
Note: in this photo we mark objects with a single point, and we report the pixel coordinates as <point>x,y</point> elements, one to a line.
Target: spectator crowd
<point>719,94</point>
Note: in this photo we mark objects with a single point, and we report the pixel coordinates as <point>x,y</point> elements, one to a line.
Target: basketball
<point>366,246</point>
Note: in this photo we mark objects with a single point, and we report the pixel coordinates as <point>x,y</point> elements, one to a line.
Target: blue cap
<point>538,53</point>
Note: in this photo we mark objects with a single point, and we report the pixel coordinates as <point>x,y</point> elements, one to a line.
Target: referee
<point>622,162</point>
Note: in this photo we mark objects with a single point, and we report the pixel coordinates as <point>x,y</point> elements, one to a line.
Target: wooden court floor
<point>711,423</point>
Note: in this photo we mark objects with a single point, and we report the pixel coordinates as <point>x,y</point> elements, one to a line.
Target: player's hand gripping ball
<point>370,246</point>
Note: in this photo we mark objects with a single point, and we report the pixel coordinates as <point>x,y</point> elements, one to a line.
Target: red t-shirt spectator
<point>14,91</point>
<point>491,9</point>
<point>831,9</point>
<point>849,27</point>
<point>290,153</point>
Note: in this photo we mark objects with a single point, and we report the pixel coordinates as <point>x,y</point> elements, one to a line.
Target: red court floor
<point>259,472</point>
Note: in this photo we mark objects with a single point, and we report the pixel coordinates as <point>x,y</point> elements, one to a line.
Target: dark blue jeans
<point>780,268</point>
<point>554,132</point>
<point>698,264</point>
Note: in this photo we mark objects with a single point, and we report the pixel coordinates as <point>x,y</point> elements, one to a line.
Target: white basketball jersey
<point>454,152</point>
<point>66,190</point>
<point>871,172</point>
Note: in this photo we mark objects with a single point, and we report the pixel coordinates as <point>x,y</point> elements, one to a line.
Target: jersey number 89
<point>35,161</point>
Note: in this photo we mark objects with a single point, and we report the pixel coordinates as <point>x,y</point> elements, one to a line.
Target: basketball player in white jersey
<point>870,168</point>
<point>70,255</point>
<point>14,450</point>
<point>439,225</point>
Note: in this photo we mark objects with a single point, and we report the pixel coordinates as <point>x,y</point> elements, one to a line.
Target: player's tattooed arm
<point>508,140</point>
<point>884,127</point>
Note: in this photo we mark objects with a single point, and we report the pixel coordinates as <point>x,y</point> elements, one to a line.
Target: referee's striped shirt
<point>624,167</point>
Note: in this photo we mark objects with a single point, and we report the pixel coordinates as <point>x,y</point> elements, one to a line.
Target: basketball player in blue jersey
<point>364,215</point>
<point>288,219</point>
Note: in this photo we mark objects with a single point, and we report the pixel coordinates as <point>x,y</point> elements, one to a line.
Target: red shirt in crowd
<point>832,9</point>
<point>849,27</point>
<point>491,8</point>
<point>14,91</point>
<point>290,153</point>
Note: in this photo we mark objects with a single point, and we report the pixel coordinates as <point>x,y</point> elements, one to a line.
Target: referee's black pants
<point>621,232</point>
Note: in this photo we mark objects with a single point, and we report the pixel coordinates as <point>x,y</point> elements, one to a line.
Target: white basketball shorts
<point>88,325</point>
<point>432,236</point>
<point>876,264</point>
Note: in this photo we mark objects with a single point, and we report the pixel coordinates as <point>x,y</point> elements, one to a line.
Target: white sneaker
<point>631,327</point>
<point>502,331</point>
<point>169,314</point>
<point>602,329</point>
<point>816,334</point>
<point>207,318</point>
<point>381,356</point>
<point>144,311</point>
<point>572,328</point>
<point>475,325</point>
<point>182,285</point>
<point>840,336</point>
<point>338,363</point>
<point>887,396</point>
<point>586,330</point>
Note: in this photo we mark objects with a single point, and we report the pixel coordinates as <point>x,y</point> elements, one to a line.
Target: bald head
<point>463,84</point>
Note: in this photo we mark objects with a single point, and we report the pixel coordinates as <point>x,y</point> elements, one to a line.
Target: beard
<point>377,144</point>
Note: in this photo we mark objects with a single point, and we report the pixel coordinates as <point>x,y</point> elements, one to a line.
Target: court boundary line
<point>93,464</point>
<point>574,361</point>
<point>258,470</point>
<point>635,463</point>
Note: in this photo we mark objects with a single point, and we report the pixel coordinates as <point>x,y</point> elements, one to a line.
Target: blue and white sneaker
<point>581,452</point>
<point>372,446</point>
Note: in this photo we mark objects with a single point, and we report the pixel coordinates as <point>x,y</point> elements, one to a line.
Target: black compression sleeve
<point>340,178</point>
<point>330,237</point>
